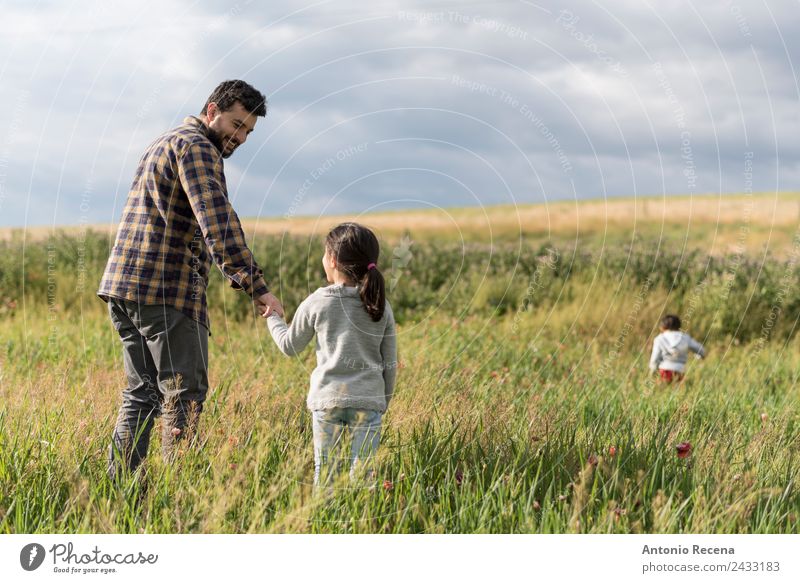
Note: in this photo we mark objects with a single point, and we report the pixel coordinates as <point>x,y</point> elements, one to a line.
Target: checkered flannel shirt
<point>177,218</point>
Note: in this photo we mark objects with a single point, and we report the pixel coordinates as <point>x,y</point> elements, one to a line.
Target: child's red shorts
<point>670,375</point>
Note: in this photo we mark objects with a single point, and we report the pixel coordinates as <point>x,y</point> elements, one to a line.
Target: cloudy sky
<point>383,105</point>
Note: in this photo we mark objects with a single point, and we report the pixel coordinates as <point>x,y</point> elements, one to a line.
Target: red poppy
<point>388,486</point>
<point>612,451</point>
<point>684,449</point>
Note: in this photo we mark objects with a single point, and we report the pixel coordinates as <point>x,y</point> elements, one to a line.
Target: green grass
<point>516,371</point>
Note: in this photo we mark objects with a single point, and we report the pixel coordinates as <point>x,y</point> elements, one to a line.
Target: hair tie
<point>371,266</point>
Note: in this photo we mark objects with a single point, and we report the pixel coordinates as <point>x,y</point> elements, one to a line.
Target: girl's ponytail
<point>356,250</point>
<point>373,292</point>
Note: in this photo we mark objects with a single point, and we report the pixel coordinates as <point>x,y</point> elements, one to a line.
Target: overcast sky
<point>383,105</point>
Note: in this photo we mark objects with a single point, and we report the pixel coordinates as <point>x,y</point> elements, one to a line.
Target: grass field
<point>522,405</point>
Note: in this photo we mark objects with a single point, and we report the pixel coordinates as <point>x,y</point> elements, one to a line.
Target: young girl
<point>355,344</point>
<point>671,349</point>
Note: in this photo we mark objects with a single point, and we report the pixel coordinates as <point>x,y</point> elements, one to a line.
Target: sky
<point>386,105</point>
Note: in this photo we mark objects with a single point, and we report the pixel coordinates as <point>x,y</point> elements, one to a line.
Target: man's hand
<point>268,304</point>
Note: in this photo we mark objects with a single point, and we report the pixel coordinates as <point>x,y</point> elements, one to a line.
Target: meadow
<point>523,401</point>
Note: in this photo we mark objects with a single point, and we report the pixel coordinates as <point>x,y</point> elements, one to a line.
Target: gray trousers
<point>165,353</point>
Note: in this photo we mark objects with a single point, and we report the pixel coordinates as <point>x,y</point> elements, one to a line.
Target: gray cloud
<point>450,103</point>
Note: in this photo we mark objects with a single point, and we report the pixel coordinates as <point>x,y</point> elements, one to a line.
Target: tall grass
<point>735,296</point>
<point>522,404</point>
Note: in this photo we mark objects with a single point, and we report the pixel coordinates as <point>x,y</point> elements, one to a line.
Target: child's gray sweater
<point>356,357</point>
<point>671,350</point>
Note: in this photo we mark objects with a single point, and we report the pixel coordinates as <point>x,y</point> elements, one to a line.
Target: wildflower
<point>388,486</point>
<point>612,451</point>
<point>561,497</point>
<point>684,449</point>
<point>176,431</point>
<point>232,466</point>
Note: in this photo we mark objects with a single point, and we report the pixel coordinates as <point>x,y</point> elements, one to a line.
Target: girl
<point>355,344</point>
<point>671,349</point>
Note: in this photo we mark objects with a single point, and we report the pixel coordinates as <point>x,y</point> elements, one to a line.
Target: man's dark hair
<point>671,322</point>
<point>228,93</point>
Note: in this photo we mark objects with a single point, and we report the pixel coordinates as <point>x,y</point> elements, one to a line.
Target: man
<point>176,220</point>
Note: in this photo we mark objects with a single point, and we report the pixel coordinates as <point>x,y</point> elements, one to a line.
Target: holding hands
<point>267,305</point>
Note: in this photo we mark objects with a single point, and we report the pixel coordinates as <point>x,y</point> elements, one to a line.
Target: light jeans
<point>328,426</point>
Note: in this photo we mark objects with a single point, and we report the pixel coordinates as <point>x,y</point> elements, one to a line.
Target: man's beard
<point>219,141</point>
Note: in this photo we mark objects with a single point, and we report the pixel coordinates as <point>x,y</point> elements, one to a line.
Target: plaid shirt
<point>177,213</point>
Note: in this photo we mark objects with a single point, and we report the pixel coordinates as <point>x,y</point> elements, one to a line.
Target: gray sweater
<point>671,350</point>
<point>356,357</point>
